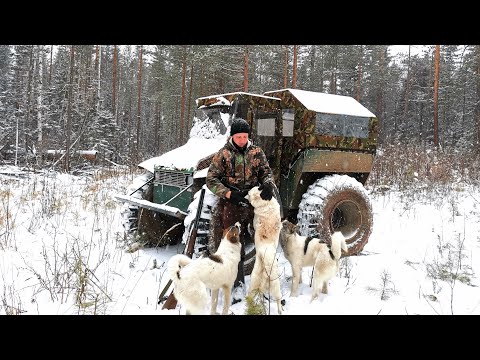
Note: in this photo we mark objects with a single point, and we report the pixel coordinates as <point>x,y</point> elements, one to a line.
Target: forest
<point>63,244</point>
<point>133,102</point>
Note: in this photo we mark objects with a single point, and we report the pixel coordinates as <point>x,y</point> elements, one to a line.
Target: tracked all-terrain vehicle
<point>320,147</point>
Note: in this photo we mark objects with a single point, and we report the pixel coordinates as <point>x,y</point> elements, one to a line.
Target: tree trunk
<point>139,105</point>
<point>201,80</point>
<point>99,62</point>
<point>41,66</point>
<point>380,89</point>
<point>50,67</point>
<point>189,118</point>
<point>312,68</point>
<point>96,58</point>
<point>322,50</point>
<point>333,74</point>
<point>69,111</point>
<point>114,80</point>
<point>294,76</point>
<point>157,125</point>
<point>245,69</point>
<point>477,102</point>
<point>285,68</point>
<point>435,95</point>
<point>17,108</point>
<point>182,104</point>
<point>407,85</point>
<point>176,132</point>
<point>28,126</point>
<point>359,79</point>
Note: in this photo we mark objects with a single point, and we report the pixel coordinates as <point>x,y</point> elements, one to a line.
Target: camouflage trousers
<point>226,214</point>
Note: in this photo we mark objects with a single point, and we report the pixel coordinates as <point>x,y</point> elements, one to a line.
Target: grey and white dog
<point>302,251</point>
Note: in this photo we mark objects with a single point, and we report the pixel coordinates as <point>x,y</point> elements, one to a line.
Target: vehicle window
<point>341,125</point>
<point>213,116</point>
<point>266,127</point>
<point>288,117</point>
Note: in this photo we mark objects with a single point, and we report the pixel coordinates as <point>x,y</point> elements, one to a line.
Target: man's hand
<point>238,198</point>
<point>266,191</point>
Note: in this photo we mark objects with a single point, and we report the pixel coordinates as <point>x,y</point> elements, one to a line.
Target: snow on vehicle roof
<point>220,101</point>
<point>234,93</point>
<point>329,103</point>
<point>186,156</point>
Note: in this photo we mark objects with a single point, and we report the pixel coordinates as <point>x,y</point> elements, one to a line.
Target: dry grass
<point>403,167</point>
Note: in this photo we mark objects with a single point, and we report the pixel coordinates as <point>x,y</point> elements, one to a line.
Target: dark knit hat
<point>239,126</point>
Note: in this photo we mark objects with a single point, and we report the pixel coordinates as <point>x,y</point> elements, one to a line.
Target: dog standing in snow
<point>267,223</point>
<point>192,278</point>
<point>302,251</point>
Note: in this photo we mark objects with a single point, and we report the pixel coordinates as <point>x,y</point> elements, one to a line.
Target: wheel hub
<point>347,218</point>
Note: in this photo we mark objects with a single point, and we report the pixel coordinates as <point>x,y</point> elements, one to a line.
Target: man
<point>235,169</point>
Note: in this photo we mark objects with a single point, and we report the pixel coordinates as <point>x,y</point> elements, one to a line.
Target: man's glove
<point>238,198</point>
<point>266,191</point>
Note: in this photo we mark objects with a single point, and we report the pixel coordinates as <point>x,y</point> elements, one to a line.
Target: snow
<point>81,152</point>
<point>205,139</point>
<point>403,49</point>
<point>62,251</point>
<point>11,170</point>
<point>209,201</point>
<point>223,101</point>
<point>147,204</point>
<point>200,173</point>
<point>197,148</point>
<point>329,103</point>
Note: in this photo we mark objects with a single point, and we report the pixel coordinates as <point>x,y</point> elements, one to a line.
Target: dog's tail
<point>175,265</point>
<point>189,292</point>
<point>338,244</point>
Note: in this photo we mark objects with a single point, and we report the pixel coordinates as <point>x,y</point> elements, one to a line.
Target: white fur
<point>266,223</point>
<point>317,255</point>
<point>192,278</point>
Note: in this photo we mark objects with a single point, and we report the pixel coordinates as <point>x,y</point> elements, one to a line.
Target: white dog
<point>192,278</point>
<point>266,222</point>
<point>304,251</point>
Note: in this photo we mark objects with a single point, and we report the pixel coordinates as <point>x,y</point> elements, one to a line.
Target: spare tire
<point>337,203</point>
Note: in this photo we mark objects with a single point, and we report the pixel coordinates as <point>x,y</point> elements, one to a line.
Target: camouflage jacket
<point>233,168</point>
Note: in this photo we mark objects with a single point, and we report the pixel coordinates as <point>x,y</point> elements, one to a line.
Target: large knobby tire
<point>337,203</point>
<point>249,257</point>
<point>149,227</point>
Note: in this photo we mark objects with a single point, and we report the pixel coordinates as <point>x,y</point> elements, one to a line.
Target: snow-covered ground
<point>62,251</point>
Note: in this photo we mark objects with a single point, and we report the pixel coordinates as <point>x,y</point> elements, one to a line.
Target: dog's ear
<point>232,234</point>
<point>224,232</point>
<point>267,191</point>
<point>261,187</point>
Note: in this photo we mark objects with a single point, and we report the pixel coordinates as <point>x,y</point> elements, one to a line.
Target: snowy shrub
<point>449,267</point>
<point>386,288</point>
<point>255,304</point>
